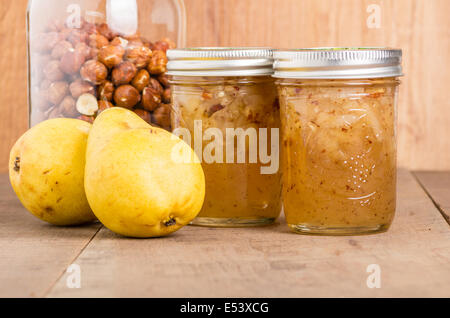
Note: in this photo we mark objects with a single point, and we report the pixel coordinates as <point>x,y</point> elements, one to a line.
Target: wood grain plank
<point>33,254</point>
<point>420,27</point>
<point>437,185</point>
<point>414,257</point>
<point>13,76</point>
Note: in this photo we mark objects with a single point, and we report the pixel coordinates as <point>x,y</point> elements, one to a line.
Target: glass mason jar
<point>226,102</point>
<point>89,55</point>
<point>338,115</point>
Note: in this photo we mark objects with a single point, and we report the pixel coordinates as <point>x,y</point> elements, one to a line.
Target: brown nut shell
<point>94,71</point>
<point>84,50</point>
<point>72,61</point>
<point>154,83</point>
<point>151,99</point>
<point>106,91</point>
<point>158,63</point>
<point>52,71</point>
<point>89,119</point>
<point>104,30</point>
<point>145,115</point>
<point>139,56</point>
<point>166,96</point>
<point>111,55</point>
<point>80,87</point>
<point>161,116</point>
<point>97,40</point>
<point>57,91</point>
<point>77,36</point>
<point>123,73</point>
<point>103,105</point>
<point>164,80</point>
<point>126,96</point>
<point>45,42</point>
<point>61,48</point>
<point>68,108</point>
<point>141,80</point>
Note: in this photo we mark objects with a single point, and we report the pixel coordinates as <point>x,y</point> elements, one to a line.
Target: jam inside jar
<point>338,117</point>
<point>238,193</point>
<point>338,154</point>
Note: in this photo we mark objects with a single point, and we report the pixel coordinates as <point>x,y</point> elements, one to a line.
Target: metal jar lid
<point>338,63</point>
<point>220,61</point>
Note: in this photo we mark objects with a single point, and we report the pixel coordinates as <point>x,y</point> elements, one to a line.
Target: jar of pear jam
<point>338,116</point>
<point>226,101</point>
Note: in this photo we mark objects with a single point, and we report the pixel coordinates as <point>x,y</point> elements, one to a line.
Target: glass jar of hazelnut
<point>89,55</point>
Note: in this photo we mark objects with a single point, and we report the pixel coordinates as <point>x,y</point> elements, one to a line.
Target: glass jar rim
<point>220,61</point>
<point>338,63</point>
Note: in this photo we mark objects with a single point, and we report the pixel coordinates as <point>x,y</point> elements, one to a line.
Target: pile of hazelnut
<point>81,72</point>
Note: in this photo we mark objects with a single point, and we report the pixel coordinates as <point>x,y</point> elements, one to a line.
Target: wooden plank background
<point>420,27</point>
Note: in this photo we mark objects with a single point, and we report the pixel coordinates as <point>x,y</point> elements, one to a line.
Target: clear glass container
<point>232,119</point>
<point>89,55</point>
<point>338,140</point>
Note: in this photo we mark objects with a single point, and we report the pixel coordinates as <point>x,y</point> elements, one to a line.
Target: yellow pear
<point>46,170</point>
<point>134,180</point>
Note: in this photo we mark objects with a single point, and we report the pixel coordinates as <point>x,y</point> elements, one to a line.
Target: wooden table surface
<point>413,256</point>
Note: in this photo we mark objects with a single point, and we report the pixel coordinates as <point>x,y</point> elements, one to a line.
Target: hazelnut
<point>39,99</point>
<point>165,96</point>
<point>80,87</point>
<point>89,119</point>
<point>164,45</point>
<point>93,54</point>
<point>90,28</point>
<point>55,25</point>
<point>84,50</point>
<point>156,86</point>
<point>119,41</point>
<point>104,30</point>
<point>145,115</point>
<point>52,71</point>
<point>57,91</point>
<point>71,62</point>
<point>53,112</point>
<point>157,63</point>
<point>133,37</point>
<point>161,116</point>
<point>97,40</point>
<point>126,96</point>
<point>93,71</point>
<point>105,91</point>
<point>60,49</point>
<point>111,55</point>
<point>45,42</point>
<point>77,36</point>
<point>45,84</point>
<point>139,56</point>
<point>151,99</point>
<point>64,33</point>
<point>141,80</point>
<point>87,104</point>
<point>164,80</point>
<point>67,107</point>
<point>123,73</point>
<point>103,105</point>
